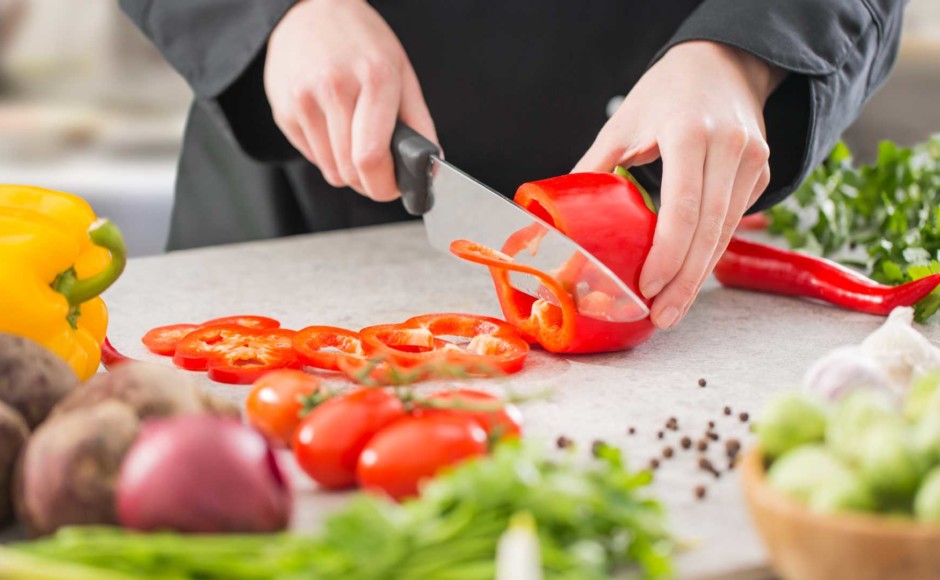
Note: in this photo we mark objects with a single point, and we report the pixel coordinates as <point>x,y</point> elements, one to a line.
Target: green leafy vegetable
<point>591,520</point>
<point>890,210</point>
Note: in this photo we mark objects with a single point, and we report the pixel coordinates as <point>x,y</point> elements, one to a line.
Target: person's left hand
<point>700,108</point>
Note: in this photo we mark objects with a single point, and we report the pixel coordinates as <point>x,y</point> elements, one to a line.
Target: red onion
<point>202,474</point>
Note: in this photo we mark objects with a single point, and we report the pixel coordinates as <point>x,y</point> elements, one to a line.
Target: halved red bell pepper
<point>492,346</point>
<point>235,354</point>
<point>326,347</point>
<point>608,216</point>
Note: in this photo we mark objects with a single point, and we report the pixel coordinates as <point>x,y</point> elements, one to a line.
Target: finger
<point>295,136</point>
<point>339,103</point>
<point>683,154</point>
<point>413,110</point>
<point>752,179</point>
<point>762,182</point>
<point>721,167</point>
<point>372,127</point>
<point>313,126</point>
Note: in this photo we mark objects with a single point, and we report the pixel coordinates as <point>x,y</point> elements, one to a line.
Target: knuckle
<point>757,152</point>
<point>686,208</point>
<point>712,229</point>
<point>330,82</point>
<point>735,137</point>
<point>377,73</point>
<point>369,156</point>
<point>686,285</point>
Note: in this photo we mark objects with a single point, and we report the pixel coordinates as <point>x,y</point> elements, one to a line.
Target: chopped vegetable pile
<point>890,210</point>
<point>590,520</point>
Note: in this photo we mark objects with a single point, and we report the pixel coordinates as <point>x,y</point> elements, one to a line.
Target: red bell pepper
<point>326,347</point>
<point>235,354</point>
<point>162,340</point>
<point>754,266</point>
<point>608,216</point>
<point>493,347</point>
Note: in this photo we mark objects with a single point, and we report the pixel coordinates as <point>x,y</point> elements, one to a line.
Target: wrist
<point>762,77</point>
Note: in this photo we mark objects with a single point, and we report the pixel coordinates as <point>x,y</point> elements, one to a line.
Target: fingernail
<point>667,317</point>
<point>652,288</point>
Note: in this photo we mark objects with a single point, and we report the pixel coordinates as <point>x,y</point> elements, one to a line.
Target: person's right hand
<point>337,79</point>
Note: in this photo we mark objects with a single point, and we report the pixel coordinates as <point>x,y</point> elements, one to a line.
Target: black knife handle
<point>412,154</point>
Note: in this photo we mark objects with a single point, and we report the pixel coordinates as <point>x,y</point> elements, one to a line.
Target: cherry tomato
<point>414,449</point>
<point>328,443</point>
<point>163,339</point>
<point>246,320</point>
<point>504,423</point>
<point>275,403</point>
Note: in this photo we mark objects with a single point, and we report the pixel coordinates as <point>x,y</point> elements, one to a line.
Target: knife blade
<point>456,206</point>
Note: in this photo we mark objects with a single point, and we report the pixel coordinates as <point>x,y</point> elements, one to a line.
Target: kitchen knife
<point>456,206</point>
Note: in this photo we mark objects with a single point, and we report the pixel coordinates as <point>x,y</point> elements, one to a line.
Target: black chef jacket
<point>518,90</point>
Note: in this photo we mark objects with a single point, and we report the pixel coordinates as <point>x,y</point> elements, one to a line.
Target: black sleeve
<point>838,52</point>
<point>219,47</point>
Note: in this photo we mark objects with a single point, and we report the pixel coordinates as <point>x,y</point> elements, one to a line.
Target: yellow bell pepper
<point>56,257</point>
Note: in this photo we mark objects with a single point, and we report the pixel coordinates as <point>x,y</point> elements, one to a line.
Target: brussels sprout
<point>846,493</point>
<point>789,420</point>
<point>923,396</point>
<point>803,471</point>
<point>927,501</point>
<point>888,464</point>
<point>853,417</point>
<point>925,440</point>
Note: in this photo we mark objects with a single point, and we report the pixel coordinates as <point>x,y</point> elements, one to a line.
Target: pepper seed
<point>660,434</point>
<point>732,447</point>
<point>597,446</point>
<point>702,445</point>
<point>700,491</point>
<point>711,424</point>
<point>631,431</point>
<point>727,410</point>
<point>667,452</point>
<point>654,463</point>
<point>744,417</point>
<point>563,442</point>
<point>702,382</point>
<point>711,435</point>
<point>685,442</point>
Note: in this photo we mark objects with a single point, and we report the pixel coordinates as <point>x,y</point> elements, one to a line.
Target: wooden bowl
<point>805,545</point>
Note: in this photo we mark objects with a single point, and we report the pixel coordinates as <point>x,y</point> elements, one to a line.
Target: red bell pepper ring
<point>608,216</point>
<point>494,346</point>
<point>235,354</point>
<point>326,347</point>
<point>162,340</point>
<point>246,320</point>
<point>753,266</point>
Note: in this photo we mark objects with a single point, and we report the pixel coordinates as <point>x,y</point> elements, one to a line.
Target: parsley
<point>887,212</point>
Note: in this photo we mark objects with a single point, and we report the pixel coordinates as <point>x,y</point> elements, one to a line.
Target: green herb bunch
<point>591,519</point>
<point>890,210</point>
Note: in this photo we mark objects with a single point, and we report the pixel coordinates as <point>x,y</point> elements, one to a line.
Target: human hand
<point>700,108</point>
<point>337,79</point>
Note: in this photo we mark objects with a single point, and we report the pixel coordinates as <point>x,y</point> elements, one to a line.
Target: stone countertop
<point>747,346</point>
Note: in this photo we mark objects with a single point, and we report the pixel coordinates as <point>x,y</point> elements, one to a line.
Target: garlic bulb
<point>844,370</point>
<point>901,350</point>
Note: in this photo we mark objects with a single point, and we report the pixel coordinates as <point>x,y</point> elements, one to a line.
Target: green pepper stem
<point>647,199</point>
<point>105,234</point>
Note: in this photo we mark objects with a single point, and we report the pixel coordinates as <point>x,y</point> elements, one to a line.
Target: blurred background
<point>87,106</point>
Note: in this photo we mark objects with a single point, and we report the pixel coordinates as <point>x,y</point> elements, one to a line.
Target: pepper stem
<point>105,234</point>
<point>647,199</point>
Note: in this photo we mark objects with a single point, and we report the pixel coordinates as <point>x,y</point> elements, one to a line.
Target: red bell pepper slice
<point>235,354</point>
<point>246,320</point>
<point>493,345</point>
<point>162,340</point>
<point>325,347</point>
<point>608,216</point>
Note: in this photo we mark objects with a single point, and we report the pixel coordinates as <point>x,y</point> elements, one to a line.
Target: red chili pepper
<point>110,357</point>
<point>493,347</point>
<point>608,216</point>
<point>754,266</point>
